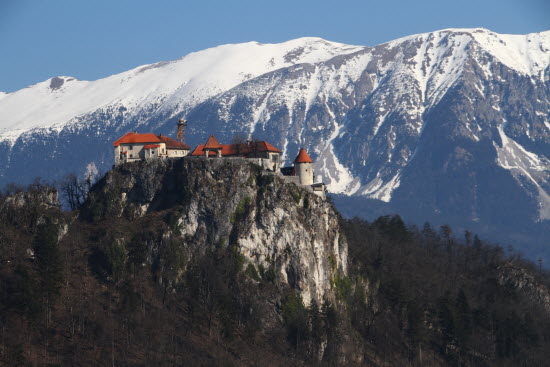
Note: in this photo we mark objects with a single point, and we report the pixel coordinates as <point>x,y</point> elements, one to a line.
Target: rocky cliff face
<point>517,278</point>
<point>277,227</point>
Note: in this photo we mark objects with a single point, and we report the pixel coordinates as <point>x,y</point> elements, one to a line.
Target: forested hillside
<point>445,299</point>
<point>106,284</point>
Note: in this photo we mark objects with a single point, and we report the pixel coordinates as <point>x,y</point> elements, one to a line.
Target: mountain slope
<point>440,126</point>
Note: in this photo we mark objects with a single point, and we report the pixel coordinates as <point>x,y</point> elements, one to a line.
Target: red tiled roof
<point>303,157</point>
<point>151,146</point>
<point>199,150</point>
<point>212,143</point>
<point>269,147</point>
<point>239,149</point>
<point>173,144</point>
<point>134,137</point>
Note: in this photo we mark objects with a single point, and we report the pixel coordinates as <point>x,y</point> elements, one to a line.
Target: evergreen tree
<point>415,327</point>
<point>446,321</point>
<point>463,318</point>
<point>316,322</point>
<point>49,263</point>
<point>296,318</point>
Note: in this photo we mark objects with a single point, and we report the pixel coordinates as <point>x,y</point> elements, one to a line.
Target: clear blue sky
<point>90,39</point>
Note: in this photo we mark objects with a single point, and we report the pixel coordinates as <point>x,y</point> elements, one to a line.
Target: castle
<point>137,147</point>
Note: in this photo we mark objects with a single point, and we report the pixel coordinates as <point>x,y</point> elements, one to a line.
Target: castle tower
<point>181,131</point>
<point>212,144</point>
<point>303,166</point>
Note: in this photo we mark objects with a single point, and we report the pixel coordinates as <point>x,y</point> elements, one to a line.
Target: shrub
<point>269,275</point>
<point>343,286</point>
<point>296,195</point>
<point>116,257</point>
<point>242,209</point>
<point>265,180</point>
<point>295,317</point>
<point>251,272</point>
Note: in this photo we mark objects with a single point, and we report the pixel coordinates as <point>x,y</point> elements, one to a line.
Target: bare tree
<point>73,190</point>
<point>239,138</point>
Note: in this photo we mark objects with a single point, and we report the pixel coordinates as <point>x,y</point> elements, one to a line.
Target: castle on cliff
<point>134,146</point>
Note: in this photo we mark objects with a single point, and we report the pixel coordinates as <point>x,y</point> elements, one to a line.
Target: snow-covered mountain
<point>452,125</point>
<point>177,85</point>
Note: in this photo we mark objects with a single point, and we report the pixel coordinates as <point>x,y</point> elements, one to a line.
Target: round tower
<point>303,166</point>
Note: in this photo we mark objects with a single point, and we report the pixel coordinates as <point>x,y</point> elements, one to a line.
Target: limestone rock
<point>232,202</point>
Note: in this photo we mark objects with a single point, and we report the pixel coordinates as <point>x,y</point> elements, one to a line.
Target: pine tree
<point>49,263</point>
<point>463,318</point>
<point>446,321</point>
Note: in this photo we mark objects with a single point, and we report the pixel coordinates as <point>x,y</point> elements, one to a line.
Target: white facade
<point>155,151</point>
<point>176,153</point>
<point>305,172</point>
<point>137,152</point>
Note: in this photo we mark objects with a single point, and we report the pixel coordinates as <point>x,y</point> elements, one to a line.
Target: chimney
<point>182,123</point>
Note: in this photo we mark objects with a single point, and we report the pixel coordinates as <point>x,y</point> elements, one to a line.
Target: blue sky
<point>92,39</point>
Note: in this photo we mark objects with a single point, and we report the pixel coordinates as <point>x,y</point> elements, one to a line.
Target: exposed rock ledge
<point>223,202</point>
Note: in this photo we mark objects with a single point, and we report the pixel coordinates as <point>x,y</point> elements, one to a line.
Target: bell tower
<point>182,123</point>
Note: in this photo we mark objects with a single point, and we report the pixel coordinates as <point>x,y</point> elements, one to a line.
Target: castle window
<point>130,147</point>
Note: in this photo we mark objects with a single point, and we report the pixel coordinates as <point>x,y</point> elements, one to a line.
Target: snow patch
<point>522,163</point>
<point>528,54</point>
<point>338,178</point>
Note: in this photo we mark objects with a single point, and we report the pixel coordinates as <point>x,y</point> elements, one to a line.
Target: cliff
<point>525,283</point>
<point>276,226</point>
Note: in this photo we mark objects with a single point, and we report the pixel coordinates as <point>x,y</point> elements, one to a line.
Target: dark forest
<point>70,294</point>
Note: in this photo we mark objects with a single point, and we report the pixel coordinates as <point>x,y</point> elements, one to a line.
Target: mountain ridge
<point>297,42</point>
<point>417,122</point>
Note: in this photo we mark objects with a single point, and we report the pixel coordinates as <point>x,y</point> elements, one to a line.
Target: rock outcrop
<point>527,285</point>
<point>276,226</point>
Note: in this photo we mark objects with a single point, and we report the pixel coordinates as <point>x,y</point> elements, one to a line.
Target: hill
<point>197,261</point>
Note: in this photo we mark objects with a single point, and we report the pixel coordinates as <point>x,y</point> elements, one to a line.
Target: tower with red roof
<point>303,166</point>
